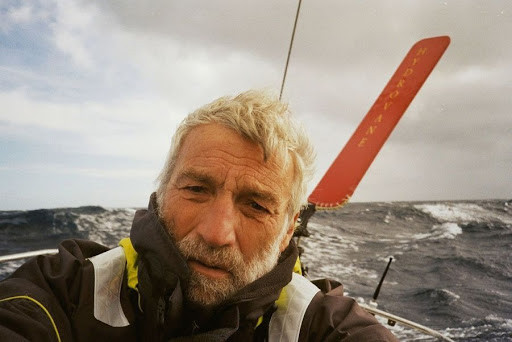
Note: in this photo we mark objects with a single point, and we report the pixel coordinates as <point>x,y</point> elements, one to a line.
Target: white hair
<point>263,119</point>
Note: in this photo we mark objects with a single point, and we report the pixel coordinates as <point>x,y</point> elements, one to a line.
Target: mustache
<point>226,258</point>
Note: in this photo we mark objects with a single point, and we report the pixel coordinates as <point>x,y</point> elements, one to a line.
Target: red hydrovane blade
<point>341,179</point>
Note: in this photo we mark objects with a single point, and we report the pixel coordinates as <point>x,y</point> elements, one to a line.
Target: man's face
<point>227,209</point>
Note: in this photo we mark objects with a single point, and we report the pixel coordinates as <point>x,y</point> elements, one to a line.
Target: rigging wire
<point>290,50</point>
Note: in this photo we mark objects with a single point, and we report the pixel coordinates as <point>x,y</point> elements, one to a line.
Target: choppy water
<point>452,268</point>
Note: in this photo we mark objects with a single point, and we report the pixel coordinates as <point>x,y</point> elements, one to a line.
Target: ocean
<point>452,267</point>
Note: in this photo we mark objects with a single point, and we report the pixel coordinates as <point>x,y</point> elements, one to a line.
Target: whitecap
<point>452,211</point>
<point>421,236</point>
<point>451,294</point>
<point>461,212</point>
<point>446,230</point>
<point>504,322</point>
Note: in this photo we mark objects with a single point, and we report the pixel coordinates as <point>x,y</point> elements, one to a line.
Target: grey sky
<point>91,91</point>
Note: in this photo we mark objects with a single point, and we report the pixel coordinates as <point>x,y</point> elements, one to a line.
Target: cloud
<point>116,129</point>
<point>21,14</point>
<point>112,79</point>
<point>15,16</point>
<point>77,32</point>
<point>62,169</point>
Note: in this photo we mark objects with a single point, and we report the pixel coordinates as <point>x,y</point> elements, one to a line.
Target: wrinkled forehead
<point>213,144</point>
<point>272,149</point>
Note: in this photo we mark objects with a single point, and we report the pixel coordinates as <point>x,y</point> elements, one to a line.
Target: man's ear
<point>289,233</point>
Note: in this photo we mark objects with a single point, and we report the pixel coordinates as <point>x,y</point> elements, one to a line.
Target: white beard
<point>208,291</point>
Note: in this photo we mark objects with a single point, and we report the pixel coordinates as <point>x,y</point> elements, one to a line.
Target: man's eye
<point>195,189</point>
<point>258,207</point>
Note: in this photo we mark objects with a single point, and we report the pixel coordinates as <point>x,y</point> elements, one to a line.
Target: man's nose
<point>218,225</point>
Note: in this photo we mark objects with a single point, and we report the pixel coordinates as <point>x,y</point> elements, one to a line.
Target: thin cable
<point>290,50</point>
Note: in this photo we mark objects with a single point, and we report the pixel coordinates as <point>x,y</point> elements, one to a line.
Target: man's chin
<point>207,291</point>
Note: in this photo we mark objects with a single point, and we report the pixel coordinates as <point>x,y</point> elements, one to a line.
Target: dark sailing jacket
<point>58,297</point>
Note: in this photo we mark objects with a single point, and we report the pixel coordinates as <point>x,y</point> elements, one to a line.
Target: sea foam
<point>455,212</point>
<point>446,230</point>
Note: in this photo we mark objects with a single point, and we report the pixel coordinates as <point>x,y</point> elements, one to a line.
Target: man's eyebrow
<point>261,195</point>
<point>195,176</point>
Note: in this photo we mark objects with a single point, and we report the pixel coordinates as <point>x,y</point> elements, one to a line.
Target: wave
<point>438,296</point>
<point>49,226</point>
<point>463,212</point>
<point>488,328</point>
<point>447,230</point>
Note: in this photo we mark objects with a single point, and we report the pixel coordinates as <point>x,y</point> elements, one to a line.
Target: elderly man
<point>211,259</point>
